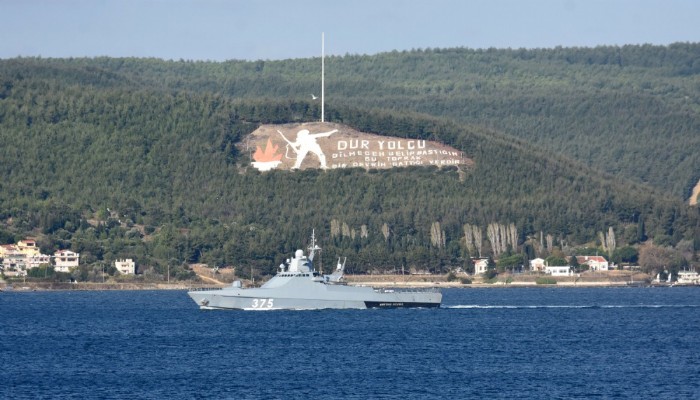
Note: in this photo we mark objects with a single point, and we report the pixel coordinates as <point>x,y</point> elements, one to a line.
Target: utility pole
<point>323,71</point>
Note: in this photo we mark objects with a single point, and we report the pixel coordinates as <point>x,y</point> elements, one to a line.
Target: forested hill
<point>119,158</point>
<point>632,111</point>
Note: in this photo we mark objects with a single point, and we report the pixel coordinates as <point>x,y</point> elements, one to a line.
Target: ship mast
<point>313,247</point>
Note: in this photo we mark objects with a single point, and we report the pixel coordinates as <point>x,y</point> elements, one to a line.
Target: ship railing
<point>407,290</point>
<point>203,288</point>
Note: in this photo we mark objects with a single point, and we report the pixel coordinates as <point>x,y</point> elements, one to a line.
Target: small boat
<point>297,286</point>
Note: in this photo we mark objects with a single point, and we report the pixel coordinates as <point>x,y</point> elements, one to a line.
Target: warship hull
<point>348,297</point>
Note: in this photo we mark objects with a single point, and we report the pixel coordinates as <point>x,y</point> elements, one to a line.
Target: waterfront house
<point>28,247</point>
<point>24,255</point>
<point>127,266</point>
<point>65,260</point>
<point>480,265</point>
<point>8,249</point>
<point>14,261</point>
<point>36,260</point>
<point>537,265</point>
<point>595,263</point>
<point>558,270</point>
<point>20,257</point>
<point>688,278</point>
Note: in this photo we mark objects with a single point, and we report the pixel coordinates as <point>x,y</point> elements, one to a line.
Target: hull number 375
<point>263,303</point>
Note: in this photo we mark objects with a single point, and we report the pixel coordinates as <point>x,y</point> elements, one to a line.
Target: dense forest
<point>632,111</point>
<point>140,158</point>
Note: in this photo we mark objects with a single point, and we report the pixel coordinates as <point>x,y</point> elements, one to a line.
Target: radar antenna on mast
<point>313,247</point>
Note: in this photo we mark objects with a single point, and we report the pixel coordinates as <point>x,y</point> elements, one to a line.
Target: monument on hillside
<point>329,146</point>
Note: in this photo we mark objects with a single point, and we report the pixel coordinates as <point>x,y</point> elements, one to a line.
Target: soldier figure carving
<point>305,143</point>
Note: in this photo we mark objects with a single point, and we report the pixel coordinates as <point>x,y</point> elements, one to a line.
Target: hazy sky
<point>280,29</point>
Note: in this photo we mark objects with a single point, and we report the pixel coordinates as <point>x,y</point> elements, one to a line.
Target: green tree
<point>625,254</point>
<point>555,261</point>
<point>573,262</point>
<point>511,262</point>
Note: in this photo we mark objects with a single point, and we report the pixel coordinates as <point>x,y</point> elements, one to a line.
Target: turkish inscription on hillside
<point>327,146</point>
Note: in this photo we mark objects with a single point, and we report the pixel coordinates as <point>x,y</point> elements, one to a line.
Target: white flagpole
<point>322,77</point>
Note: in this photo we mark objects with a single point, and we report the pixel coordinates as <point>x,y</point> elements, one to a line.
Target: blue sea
<point>526,343</point>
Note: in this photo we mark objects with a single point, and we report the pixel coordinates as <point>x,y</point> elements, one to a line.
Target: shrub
<point>545,281</point>
<point>490,274</point>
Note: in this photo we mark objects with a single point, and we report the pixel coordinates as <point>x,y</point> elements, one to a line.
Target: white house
<point>26,255</point>
<point>65,260</point>
<point>34,261</point>
<point>22,256</point>
<point>12,258</point>
<point>480,265</point>
<point>537,264</point>
<point>558,270</point>
<point>688,278</point>
<point>14,262</point>
<point>127,266</point>
<point>595,263</point>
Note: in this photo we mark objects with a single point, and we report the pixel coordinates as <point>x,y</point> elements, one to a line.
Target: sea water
<point>483,343</point>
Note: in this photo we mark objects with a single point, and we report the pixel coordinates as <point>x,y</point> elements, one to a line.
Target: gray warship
<point>297,286</point>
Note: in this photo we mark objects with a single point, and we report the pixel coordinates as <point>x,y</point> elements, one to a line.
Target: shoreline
<point>378,281</point>
<point>107,287</point>
<point>499,285</point>
<point>91,286</point>
<point>606,279</point>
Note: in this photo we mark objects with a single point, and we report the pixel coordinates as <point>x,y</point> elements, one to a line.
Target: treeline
<point>113,168</point>
<point>631,111</point>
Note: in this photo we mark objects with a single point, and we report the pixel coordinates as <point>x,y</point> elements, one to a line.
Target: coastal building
<point>8,249</point>
<point>537,265</point>
<point>28,247</point>
<point>18,258</point>
<point>127,267</point>
<point>558,270</point>
<point>13,260</point>
<point>65,260</point>
<point>480,265</point>
<point>36,260</point>
<point>595,263</point>
<point>688,278</point>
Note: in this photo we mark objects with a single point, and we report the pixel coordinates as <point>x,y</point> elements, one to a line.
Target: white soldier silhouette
<point>306,143</point>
